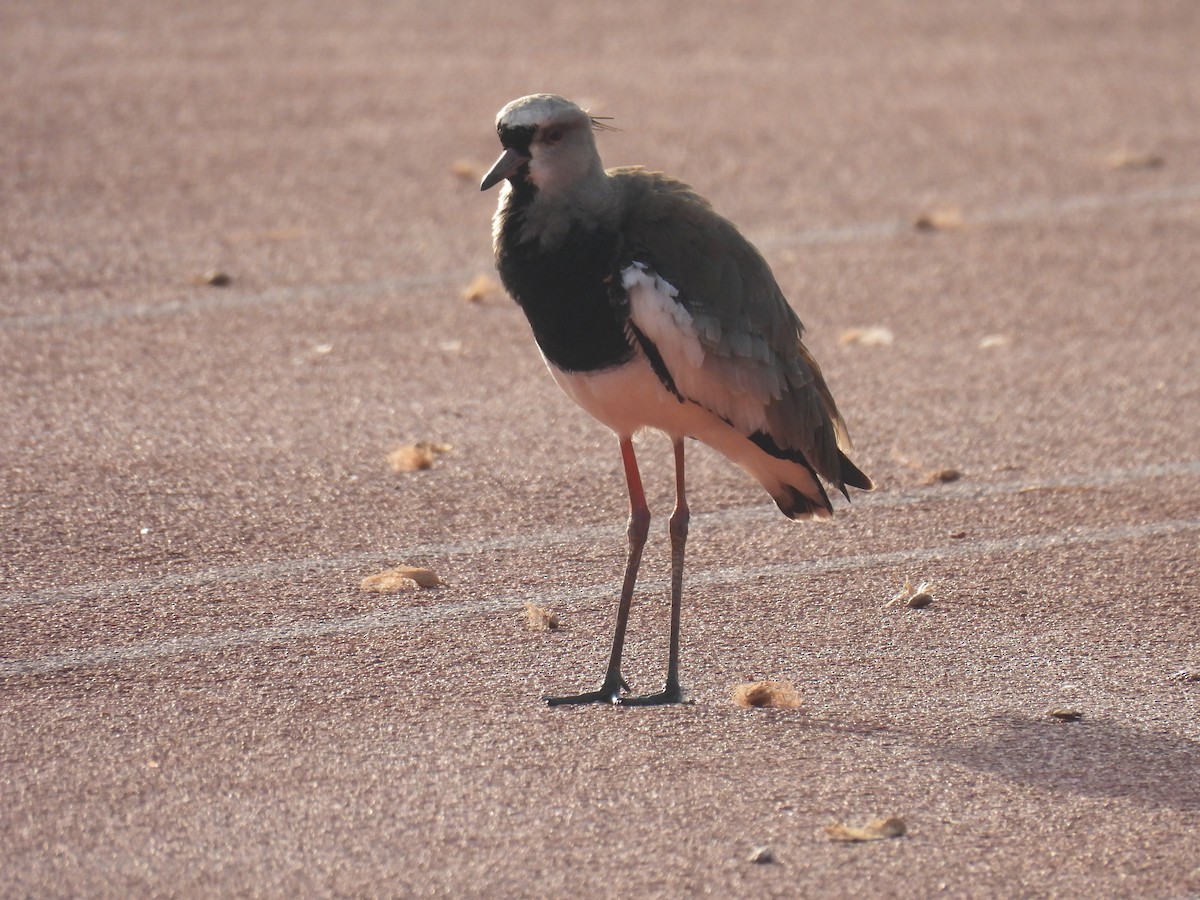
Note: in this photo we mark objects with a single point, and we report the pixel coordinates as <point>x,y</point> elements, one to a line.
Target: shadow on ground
<point>1102,759</point>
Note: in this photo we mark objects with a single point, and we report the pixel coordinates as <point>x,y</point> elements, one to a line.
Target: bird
<point>652,311</point>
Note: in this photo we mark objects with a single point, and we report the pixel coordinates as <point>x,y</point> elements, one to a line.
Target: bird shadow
<point>1094,758</point>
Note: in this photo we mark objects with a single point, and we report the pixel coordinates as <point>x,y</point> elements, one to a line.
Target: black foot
<point>668,696</point>
<point>610,692</point>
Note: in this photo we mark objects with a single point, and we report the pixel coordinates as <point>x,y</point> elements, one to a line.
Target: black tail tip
<point>853,476</point>
<point>796,505</point>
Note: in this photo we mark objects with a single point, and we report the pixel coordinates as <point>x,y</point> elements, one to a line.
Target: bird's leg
<point>672,693</point>
<point>680,518</point>
<point>639,527</point>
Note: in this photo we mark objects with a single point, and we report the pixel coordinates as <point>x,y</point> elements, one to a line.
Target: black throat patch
<point>566,292</point>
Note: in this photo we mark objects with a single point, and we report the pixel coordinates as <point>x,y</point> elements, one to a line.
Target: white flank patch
<point>733,389</point>
<point>660,316</point>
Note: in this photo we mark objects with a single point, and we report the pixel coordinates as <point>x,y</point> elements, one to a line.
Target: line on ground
<point>1038,208</point>
<point>1027,210</point>
<point>549,537</point>
<point>414,616</point>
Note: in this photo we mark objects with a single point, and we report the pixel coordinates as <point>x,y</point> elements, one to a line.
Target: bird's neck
<point>555,254</point>
<point>548,216</point>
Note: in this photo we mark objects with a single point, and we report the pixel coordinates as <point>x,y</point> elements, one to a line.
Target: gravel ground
<point>197,698</point>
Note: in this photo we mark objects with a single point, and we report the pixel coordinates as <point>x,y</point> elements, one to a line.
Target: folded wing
<point>727,337</point>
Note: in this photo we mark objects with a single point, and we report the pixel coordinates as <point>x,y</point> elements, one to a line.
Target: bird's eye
<point>552,135</point>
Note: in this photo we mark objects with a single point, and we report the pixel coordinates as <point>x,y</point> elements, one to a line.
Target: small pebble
<point>768,694</point>
<point>919,600</point>
<point>875,830</point>
<point>1065,714</point>
<point>941,476</point>
<point>540,618</point>
<point>943,218</point>
<point>762,856</point>
<point>215,278</point>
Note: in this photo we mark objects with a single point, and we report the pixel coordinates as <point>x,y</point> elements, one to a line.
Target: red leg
<point>639,527</point>
<point>679,532</point>
<point>671,692</point>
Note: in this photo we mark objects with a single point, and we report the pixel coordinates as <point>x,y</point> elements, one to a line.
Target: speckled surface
<point>196,699</point>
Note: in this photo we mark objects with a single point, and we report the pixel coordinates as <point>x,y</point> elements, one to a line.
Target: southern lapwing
<point>652,311</point>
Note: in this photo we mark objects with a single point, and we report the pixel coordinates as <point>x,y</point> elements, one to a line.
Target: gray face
<point>548,142</point>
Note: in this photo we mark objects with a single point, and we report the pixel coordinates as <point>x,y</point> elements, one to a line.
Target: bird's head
<point>548,144</point>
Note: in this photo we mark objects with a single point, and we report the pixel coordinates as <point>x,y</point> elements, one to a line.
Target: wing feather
<point>710,303</point>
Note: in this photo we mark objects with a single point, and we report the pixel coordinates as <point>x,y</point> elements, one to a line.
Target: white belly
<point>630,397</point>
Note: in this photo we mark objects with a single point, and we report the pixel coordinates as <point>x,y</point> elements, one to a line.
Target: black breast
<point>576,314</point>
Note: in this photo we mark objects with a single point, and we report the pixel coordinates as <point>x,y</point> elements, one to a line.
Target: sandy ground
<point>196,699</point>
